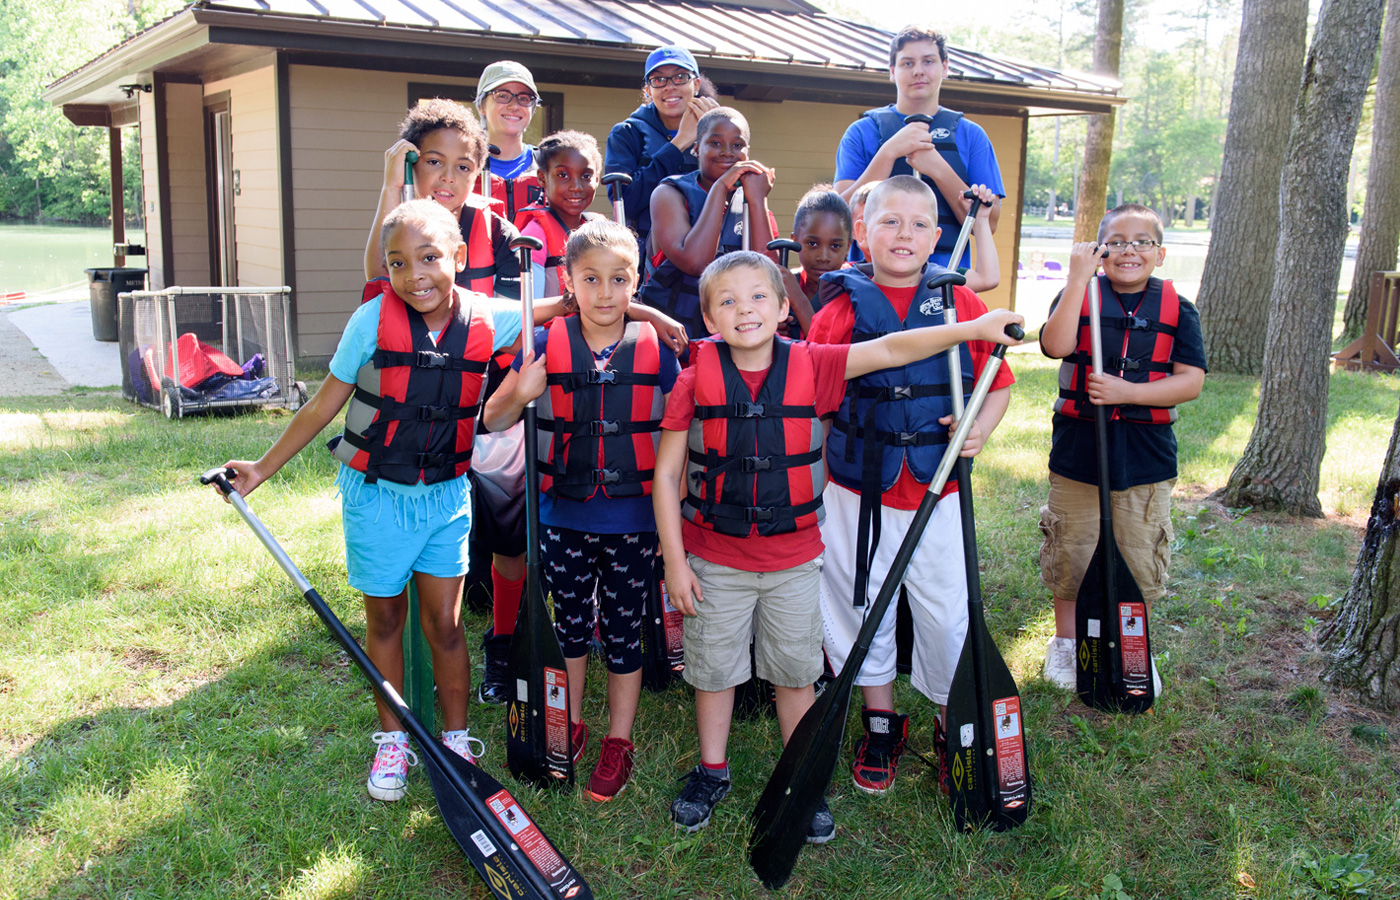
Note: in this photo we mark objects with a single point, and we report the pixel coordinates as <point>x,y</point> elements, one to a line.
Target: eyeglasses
<point>1139,246</point>
<point>504,98</point>
<point>678,79</point>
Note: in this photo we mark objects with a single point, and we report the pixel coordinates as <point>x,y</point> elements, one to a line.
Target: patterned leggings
<point>619,567</point>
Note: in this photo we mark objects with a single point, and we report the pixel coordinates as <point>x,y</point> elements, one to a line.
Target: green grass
<point>176,723</point>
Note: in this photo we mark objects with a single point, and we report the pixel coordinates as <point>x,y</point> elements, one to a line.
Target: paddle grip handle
<point>621,179</point>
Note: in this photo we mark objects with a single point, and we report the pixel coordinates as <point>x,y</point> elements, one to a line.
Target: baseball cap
<point>671,55</point>
<point>504,72</point>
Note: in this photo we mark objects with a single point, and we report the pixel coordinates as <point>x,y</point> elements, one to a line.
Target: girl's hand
<point>971,447</point>
<point>671,332</point>
<point>394,159</point>
<point>1084,260</point>
<point>690,119</point>
<point>533,377</point>
<point>1109,390</point>
<point>246,476</point>
<point>991,326</point>
<point>683,587</point>
<point>730,179</point>
<point>757,185</point>
<point>986,195</point>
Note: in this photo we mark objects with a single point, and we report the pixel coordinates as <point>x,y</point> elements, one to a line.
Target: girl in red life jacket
<point>451,148</point>
<point>823,227</point>
<point>600,385</point>
<point>569,167</point>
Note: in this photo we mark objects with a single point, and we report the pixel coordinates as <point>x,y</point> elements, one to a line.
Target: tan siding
<point>257,224</point>
<point>189,202</point>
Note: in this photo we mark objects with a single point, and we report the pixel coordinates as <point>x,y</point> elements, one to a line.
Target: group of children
<point>745,461</point>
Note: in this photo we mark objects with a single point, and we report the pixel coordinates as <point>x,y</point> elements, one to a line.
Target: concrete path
<point>47,348</point>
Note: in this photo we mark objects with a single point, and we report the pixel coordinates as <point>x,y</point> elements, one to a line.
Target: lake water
<point>51,258</point>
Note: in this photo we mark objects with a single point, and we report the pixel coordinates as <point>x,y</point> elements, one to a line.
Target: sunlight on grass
<point>55,430</point>
<point>332,876</point>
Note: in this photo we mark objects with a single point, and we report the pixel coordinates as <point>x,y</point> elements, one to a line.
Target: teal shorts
<point>390,535</point>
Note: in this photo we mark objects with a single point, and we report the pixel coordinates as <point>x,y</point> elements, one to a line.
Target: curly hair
<point>430,115</point>
<point>559,141</point>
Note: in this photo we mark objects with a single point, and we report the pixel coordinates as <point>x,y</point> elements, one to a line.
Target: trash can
<point>103,287</point>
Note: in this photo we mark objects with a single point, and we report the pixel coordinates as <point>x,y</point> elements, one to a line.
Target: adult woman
<point>507,98</point>
<point>657,140</point>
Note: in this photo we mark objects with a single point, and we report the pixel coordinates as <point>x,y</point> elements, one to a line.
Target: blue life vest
<point>677,293</point>
<point>888,121</point>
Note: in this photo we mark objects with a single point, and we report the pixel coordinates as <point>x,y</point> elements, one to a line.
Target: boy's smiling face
<point>1129,270</point>
<point>900,232</point>
<point>721,148</point>
<point>744,309</point>
<point>825,243</point>
<point>446,169</point>
<point>422,270</point>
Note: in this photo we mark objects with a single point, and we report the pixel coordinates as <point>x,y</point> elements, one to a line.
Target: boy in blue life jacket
<point>883,450</point>
<point>1154,359</point>
<point>743,431</point>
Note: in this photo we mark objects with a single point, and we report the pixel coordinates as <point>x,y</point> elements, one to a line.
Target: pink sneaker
<point>459,742</point>
<point>388,774</point>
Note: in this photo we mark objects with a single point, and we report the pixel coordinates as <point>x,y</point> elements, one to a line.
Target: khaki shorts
<point>777,611</point>
<point>1142,525</point>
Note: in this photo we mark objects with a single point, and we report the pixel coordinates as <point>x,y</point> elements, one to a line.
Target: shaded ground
<point>23,371</point>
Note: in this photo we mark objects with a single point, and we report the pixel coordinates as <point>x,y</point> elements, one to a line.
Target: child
<point>1154,359</point>
<point>985,273</point>
<point>743,430</point>
<point>405,497</point>
<point>506,98</point>
<point>694,218</point>
<point>569,163</point>
<point>451,150</point>
<point>599,530</point>
<point>880,473</point>
<point>859,253</point>
<point>822,225</point>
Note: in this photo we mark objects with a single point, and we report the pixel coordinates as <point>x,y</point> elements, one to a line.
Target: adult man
<point>950,155</point>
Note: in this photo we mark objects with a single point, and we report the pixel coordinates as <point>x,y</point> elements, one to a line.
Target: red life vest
<point>413,413</point>
<point>755,463</point>
<point>556,237</point>
<point>475,223</point>
<point>1136,347</point>
<point>599,428</point>
<point>517,193</point>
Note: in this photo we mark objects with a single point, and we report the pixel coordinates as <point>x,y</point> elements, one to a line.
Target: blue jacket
<point>641,146</point>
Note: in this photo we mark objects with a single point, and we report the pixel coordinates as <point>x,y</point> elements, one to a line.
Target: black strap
<point>1125,364</point>
<point>572,381</point>
<point>716,465</point>
<point>746,409</point>
<point>595,427</point>
<point>1131,323</point>
<point>427,359</point>
<point>597,477</point>
<point>754,515</point>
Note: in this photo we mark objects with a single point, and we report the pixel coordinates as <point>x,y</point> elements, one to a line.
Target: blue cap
<point>671,55</point>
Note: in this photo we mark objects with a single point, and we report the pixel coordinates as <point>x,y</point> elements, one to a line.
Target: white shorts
<point>936,582</point>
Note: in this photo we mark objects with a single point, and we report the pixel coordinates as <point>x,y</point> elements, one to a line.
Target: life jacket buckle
<point>601,376</point>
<point>1137,323</point>
<point>905,438</point>
<point>1126,365</point>
<point>902,392</point>
<point>746,410</point>
<point>432,414</point>
<point>754,514</point>
<point>755,463</point>
<point>605,476</point>
<point>427,359</point>
<point>600,428</point>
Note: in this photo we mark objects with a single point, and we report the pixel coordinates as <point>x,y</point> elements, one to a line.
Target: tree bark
<point>1363,641</point>
<point>1283,459</point>
<point>1098,144</point>
<point>1380,223</point>
<point>1239,271</point>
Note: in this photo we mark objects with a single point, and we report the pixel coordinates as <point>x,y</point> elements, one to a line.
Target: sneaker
<point>494,688</point>
<point>614,768</point>
<point>1156,682</point>
<point>940,749</point>
<point>388,774</point>
<point>1059,663</point>
<point>692,809</point>
<point>578,736</point>
<point>823,827</point>
<point>877,754</point>
<point>459,742</point>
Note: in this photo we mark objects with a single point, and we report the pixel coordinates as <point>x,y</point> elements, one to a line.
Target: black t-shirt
<point>1138,452</point>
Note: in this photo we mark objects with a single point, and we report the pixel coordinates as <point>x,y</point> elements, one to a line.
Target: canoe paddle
<point>621,179</point>
<point>987,766</point>
<point>1113,656</point>
<point>408,193</point>
<point>538,735</point>
<point>800,779</point>
<point>509,851</point>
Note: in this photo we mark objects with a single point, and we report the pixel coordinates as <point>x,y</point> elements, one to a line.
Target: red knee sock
<point>506,602</point>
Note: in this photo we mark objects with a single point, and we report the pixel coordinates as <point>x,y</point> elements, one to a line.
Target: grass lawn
<point>175,722</point>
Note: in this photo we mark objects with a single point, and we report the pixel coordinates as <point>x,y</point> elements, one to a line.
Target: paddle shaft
<point>965,233</point>
<point>1107,540</point>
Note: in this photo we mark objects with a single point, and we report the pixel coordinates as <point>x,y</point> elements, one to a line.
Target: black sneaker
<point>877,754</point>
<point>823,827</point>
<point>692,809</point>
<point>494,688</point>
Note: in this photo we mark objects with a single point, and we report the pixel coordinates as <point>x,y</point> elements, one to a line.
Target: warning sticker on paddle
<point>1137,661</point>
<point>675,631</point>
<point>556,721</point>
<point>1011,752</point>
<point>532,841</point>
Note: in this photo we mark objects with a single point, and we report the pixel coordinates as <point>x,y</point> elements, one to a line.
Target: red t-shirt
<point>756,552</point>
<point>834,325</point>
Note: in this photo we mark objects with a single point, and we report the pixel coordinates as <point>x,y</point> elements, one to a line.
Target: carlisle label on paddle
<point>535,845</point>
<point>556,721</point>
<point>1137,668</point>
<point>1011,752</point>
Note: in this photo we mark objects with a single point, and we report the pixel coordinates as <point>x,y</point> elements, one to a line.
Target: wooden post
<point>114,152</point>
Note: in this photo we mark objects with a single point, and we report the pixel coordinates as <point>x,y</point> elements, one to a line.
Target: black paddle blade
<point>504,874</point>
<point>799,781</point>
<point>538,734</point>
<point>661,636</point>
<point>1113,650</point>
<point>988,768</point>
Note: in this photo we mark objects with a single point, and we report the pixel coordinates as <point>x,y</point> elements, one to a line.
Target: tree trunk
<point>1380,224</point>
<point>1234,300</point>
<point>1283,459</point>
<point>1363,639</point>
<point>1098,144</point>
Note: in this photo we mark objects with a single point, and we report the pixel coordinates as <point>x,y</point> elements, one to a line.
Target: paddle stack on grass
<point>800,779</point>
<point>538,734</point>
<point>511,854</point>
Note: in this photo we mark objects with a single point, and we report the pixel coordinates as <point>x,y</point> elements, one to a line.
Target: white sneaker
<point>388,774</point>
<point>1156,682</point>
<point>1059,663</point>
<point>459,742</point>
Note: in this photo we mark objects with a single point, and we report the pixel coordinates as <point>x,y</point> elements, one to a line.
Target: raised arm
<point>390,195</point>
<point>309,421</point>
<point>1060,335</point>
<point>904,347</point>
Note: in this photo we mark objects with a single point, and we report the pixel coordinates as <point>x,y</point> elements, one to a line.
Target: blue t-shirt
<point>523,164</point>
<point>861,142</point>
<point>603,514</point>
<point>1138,452</point>
<point>356,348</point>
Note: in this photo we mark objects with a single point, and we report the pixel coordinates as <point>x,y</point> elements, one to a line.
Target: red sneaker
<point>579,738</point>
<point>612,772</point>
<point>877,754</point>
